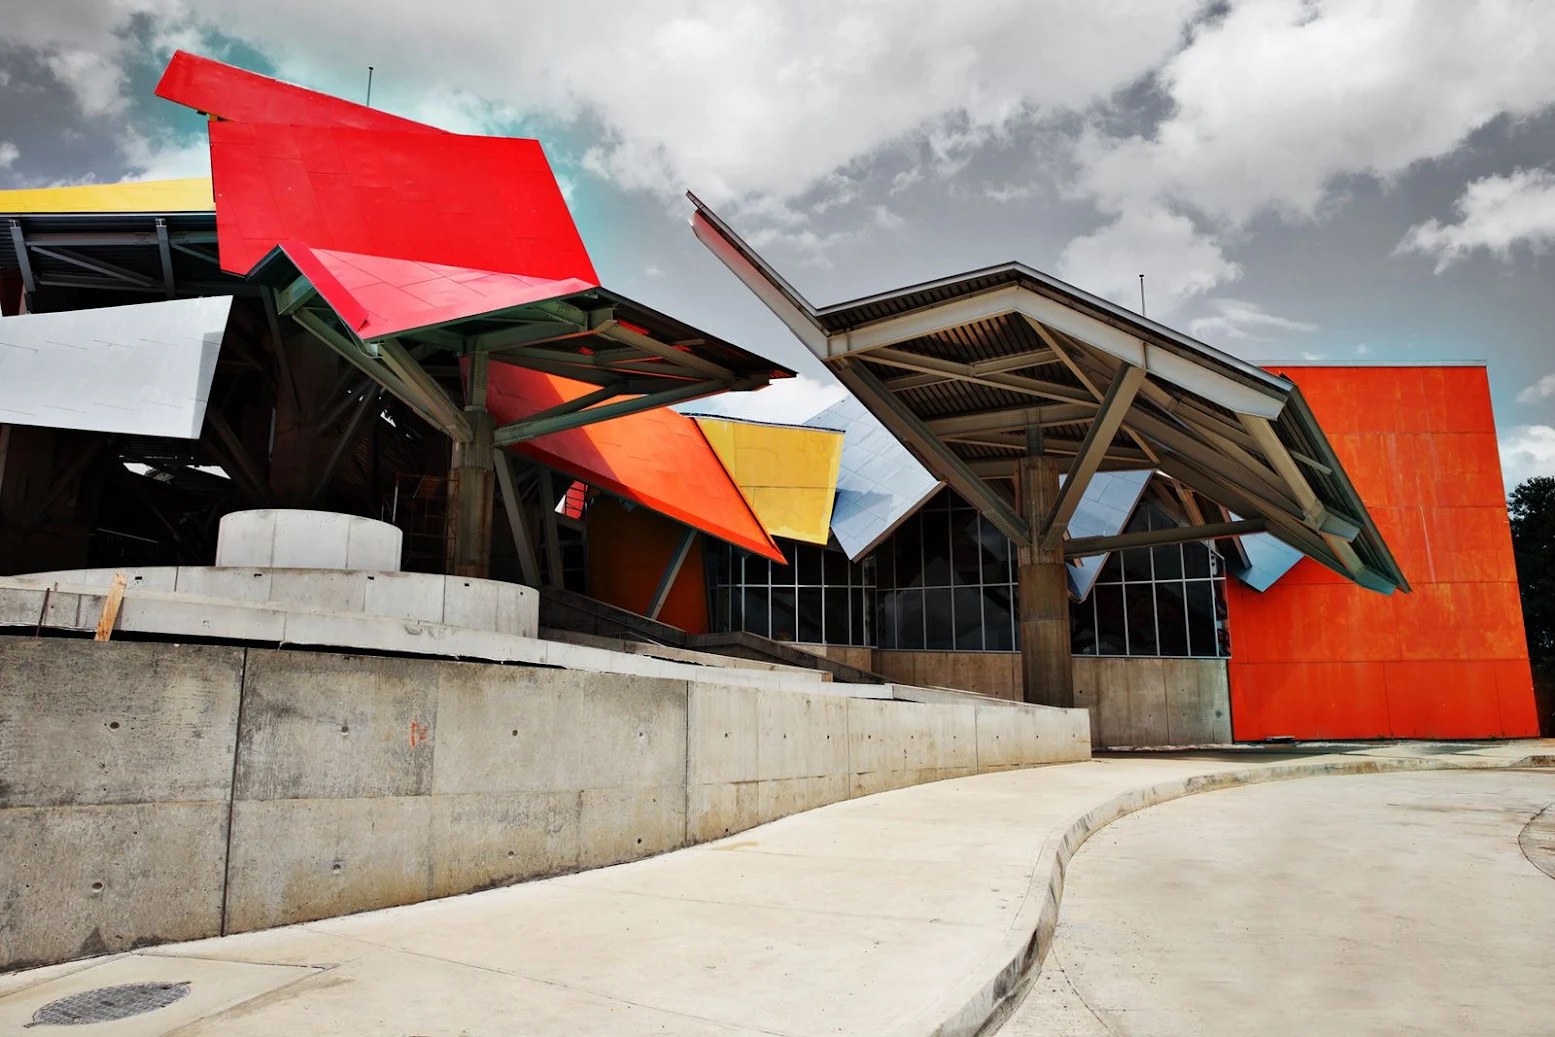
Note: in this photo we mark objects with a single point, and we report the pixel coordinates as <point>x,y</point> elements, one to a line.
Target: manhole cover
<point>106,1004</point>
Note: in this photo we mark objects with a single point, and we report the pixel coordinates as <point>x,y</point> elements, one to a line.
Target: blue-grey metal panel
<point>1103,512</point>
<point>879,484</point>
<point>1268,558</point>
<point>144,369</point>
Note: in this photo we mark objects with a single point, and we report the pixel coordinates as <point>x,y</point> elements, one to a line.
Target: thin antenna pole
<point>370,88</point>
<point>1142,295</point>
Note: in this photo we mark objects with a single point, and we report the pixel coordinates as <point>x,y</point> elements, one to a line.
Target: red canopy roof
<point>378,296</point>
<point>487,203</point>
<point>657,458</point>
<point>234,93</point>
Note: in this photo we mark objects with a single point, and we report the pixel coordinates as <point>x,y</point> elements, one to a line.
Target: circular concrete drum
<point>1381,904</point>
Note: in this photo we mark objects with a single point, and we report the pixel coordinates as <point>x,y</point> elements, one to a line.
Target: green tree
<point>1531,506</point>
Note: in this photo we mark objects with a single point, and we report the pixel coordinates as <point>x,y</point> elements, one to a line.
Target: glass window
<point>782,614</point>
<point>1139,601</point>
<point>936,549</point>
<point>811,625</point>
<point>1111,625</point>
<point>808,565</point>
<point>836,632</point>
<point>998,618</point>
<point>939,621</point>
<point>969,619</point>
<point>756,612</point>
<point>1171,618</point>
<point>909,619</point>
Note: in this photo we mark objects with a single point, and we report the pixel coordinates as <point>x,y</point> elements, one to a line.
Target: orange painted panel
<point>628,551</point>
<point>1316,657</point>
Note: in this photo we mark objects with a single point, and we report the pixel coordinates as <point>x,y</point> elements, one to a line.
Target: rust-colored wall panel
<point>628,551</point>
<point>1316,657</point>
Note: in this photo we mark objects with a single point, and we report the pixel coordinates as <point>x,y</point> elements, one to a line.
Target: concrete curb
<point>986,998</point>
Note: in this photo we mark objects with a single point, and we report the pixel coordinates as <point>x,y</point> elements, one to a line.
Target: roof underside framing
<point>583,338</point>
<point>975,373</point>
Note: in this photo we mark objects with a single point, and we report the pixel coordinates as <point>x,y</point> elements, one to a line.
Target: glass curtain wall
<point>945,582</point>
<point>1163,601</point>
<point>819,598</point>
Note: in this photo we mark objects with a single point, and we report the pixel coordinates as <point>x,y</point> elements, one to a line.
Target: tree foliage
<point>1531,506</point>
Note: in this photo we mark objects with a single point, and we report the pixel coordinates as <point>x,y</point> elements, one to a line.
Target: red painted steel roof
<point>233,93</point>
<point>656,458</point>
<point>378,296</point>
<point>487,203</point>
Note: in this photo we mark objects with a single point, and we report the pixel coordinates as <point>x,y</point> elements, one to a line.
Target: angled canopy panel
<point>144,196</point>
<point>787,474</point>
<point>1268,559</point>
<point>656,458</point>
<point>143,370</point>
<point>225,92</point>
<point>488,203</point>
<point>378,296</point>
<point>976,372</point>
<point>1104,510</point>
<point>879,484</point>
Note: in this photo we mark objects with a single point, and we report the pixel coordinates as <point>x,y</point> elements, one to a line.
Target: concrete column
<point>472,485</point>
<point>1043,592</point>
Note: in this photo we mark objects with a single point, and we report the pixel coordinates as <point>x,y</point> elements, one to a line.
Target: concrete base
<point>357,782</point>
<point>292,539</point>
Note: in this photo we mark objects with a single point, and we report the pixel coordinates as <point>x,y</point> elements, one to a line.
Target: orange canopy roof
<point>656,458</point>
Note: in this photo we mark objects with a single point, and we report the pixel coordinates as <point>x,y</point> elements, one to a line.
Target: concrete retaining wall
<point>1151,702</point>
<point>156,792</point>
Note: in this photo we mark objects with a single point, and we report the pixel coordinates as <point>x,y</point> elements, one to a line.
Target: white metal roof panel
<point>144,369</point>
<point>879,483</point>
<point>1108,501</point>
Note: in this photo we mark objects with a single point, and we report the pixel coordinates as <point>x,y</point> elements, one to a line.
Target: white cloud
<point>731,99</point>
<point>1494,213</point>
<point>1527,451</point>
<point>1279,97</point>
<point>9,153</point>
<point>885,219</point>
<point>1543,389</point>
<point>86,44</point>
<point>1011,192</point>
<point>1178,261</point>
<point>1276,101</point>
<point>1362,349</point>
<point>1234,319</point>
<point>159,158</point>
<point>654,270</point>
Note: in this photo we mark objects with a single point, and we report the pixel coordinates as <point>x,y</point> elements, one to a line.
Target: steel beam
<point>345,444</point>
<point>1084,547</point>
<point>935,455</point>
<point>165,253</point>
<point>528,565</point>
<point>110,270</point>
<point>893,357</point>
<point>1011,420</point>
<point>616,332</point>
<point>553,546</point>
<point>671,572</point>
<point>529,428</point>
<point>1098,439</point>
<point>19,243</point>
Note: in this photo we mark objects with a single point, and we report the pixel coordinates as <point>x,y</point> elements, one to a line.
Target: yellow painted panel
<point>144,196</point>
<point>787,474</point>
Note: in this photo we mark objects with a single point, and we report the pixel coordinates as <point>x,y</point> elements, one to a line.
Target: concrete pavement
<point>910,912</point>
<point>1383,904</point>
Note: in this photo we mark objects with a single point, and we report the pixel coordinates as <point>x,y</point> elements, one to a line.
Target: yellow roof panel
<point>193,195</point>
<point>787,475</point>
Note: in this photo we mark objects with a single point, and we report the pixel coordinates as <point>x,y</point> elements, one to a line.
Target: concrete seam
<point>232,789</point>
<point>685,784</point>
<point>991,1005</point>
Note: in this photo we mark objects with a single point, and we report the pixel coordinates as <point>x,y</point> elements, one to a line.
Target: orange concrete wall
<point>628,551</point>
<point>1317,657</point>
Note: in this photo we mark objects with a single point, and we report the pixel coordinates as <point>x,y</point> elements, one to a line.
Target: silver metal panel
<point>1103,512</point>
<point>144,369</point>
<point>879,484</point>
<point>1268,558</point>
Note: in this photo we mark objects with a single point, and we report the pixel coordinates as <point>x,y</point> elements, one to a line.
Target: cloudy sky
<point>1344,180</point>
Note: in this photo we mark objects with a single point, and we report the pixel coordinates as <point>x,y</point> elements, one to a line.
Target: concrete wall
<point>1132,702</point>
<point>155,792</point>
<point>1143,701</point>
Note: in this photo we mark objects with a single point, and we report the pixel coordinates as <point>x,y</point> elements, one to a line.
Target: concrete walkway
<point>1385,904</point>
<point>909,912</point>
